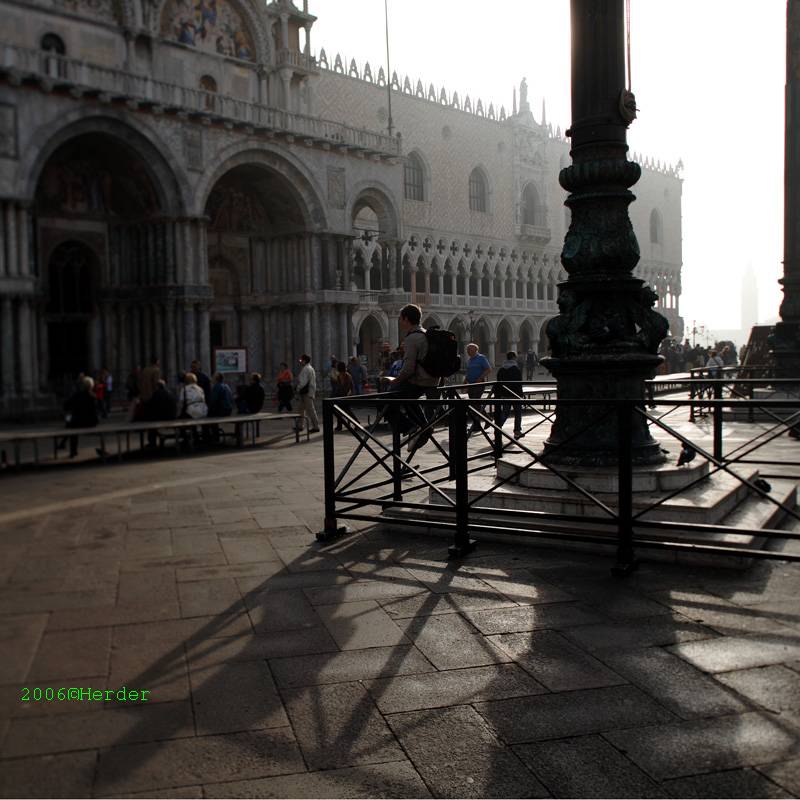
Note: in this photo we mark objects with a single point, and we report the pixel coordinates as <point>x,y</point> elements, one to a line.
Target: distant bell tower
<point>749,301</point>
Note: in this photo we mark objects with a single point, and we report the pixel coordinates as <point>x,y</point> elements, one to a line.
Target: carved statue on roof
<point>523,96</point>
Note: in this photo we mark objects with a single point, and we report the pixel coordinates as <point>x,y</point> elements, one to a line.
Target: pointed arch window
<point>414,178</point>
<point>477,191</point>
<point>656,231</point>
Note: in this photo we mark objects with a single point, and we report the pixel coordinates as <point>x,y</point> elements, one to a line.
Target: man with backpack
<point>422,370</point>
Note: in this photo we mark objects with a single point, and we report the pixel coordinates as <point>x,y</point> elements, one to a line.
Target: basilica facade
<point>182,175</point>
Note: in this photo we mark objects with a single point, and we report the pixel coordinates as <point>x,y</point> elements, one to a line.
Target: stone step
<point>707,503</point>
<point>750,512</point>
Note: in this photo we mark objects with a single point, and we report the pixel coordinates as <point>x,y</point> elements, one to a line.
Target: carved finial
<point>443,98</point>
<point>431,94</point>
<point>368,73</point>
<point>468,105</point>
<point>491,111</point>
<point>395,82</point>
<point>479,108</point>
<point>544,113</point>
<point>323,59</point>
<point>337,64</point>
<point>514,107</point>
<point>353,71</point>
<point>502,113</point>
<point>381,77</point>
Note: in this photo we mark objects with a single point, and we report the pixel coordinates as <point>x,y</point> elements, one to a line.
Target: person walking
<point>413,380</point>
<point>357,374</point>
<point>345,388</point>
<point>509,378</point>
<point>478,370</point>
<point>531,364</point>
<point>81,412</point>
<point>283,381</point>
<point>307,390</point>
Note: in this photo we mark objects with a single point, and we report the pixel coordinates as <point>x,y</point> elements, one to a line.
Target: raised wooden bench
<point>244,427</point>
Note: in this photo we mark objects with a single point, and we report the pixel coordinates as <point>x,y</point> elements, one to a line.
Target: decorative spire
<point>544,113</point>
<point>514,106</point>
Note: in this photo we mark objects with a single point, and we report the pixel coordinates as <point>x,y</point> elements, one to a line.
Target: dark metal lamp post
<point>605,339</point>
<point>785,339</point>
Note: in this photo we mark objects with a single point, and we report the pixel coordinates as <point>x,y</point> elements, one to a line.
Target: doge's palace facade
<point>182,174</point>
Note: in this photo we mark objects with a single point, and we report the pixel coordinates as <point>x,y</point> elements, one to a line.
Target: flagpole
<point>388,67</point>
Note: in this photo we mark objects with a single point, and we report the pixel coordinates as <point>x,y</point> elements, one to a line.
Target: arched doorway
<point>525,337</point>
<point>504,335</point>
<point>544,340</point>
<point>72,281</point>
<point>99,206</point>
<point>370,341</point>
<point>258,247</point>
<point>480,335</point>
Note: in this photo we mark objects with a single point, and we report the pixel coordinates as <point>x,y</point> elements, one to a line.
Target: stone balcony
<point>540,234</point>
<point>51,72</point>
<point>436,300</point>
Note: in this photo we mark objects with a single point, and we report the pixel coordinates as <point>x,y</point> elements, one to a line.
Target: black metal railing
<point>379,480</point>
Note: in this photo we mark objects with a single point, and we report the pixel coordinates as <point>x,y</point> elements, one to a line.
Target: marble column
<point>205,336</point>
<point>11,239</point>
<point>327,333</point>
<point>316,340</point>
<point>277,340</point>
<point>25,347</point>
<point>307,343</point>
<point>308,267</point>
<point>171,351</point>
<point>315,252</point>
<point>268,366</point>
<point>7,344</point>
<point>157,311</point>
<point>189,341</point>
<point>43,351</point>
<point>23,267</point>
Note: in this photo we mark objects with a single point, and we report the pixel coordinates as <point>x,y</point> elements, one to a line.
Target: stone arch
<point>525,338</point>
<point>416,176</point>
<point>379,198</point>
<point>431,320</point>
<point>480,176</point>
<point>505,338</point>
<point>533,207</point>
<point>245,26</point>
<point>160,163</point>
<point>296,178</point>
<point>372,332</point>
<point>656,227</point>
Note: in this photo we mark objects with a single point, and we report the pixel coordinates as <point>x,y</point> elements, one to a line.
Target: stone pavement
<point>370,667</point>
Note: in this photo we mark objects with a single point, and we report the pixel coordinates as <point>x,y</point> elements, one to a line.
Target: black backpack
<point>442,359</point>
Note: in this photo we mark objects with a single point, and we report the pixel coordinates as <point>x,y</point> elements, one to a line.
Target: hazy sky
<point>709,81</point>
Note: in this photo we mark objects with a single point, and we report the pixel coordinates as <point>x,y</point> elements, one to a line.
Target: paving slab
<point>785,773</point>
<point>67,775</point>
<point>557,616</point>
<point>353,665</point>
<point>452,687</point>
<point>775,688</point>
<point>339,726</point>
<point>202,598</point>
<point>663,629</point>
<point>587,766</point>
<point>394,779</point>
<point>554,716</point>
<point>242,549</point>
<point>450,642</point>
<point>235,697</point>
<point>285,610</point>
<point>745,783</point>
<point>555,662</point>
<point>676,684</point>
<point>257,647</point>
<point>691,747</point>
<point>355,626</point>
<point>427,603</point>
<point>355,590</point>
<point>20,635</point>
<point>67,654</point>
<point>208,759</point>
<point>719,614</point>
<point>498,774</point>
<point>89,730</point>
<point>739,652</point>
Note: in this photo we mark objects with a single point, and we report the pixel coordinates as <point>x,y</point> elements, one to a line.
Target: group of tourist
<point>684,357</point>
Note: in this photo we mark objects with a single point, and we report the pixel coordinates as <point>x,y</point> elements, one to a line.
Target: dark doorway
<point>216,334</point>
<point>70,308</point>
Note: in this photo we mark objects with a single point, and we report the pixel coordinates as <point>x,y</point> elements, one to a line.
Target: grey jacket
<point>416,348</point>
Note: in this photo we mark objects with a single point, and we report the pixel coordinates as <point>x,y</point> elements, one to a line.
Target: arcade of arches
<point>112,270</point>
